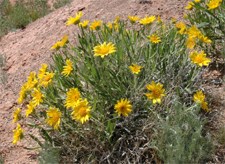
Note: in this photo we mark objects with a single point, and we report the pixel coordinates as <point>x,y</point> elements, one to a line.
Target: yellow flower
<point>37,97</point>
<point>147,20</point>
<point>194,32</point>
<point>199,98</point>
<point>46,79</point>
<point>67,68</point>
<point>17,134</point>
<point>60,43</point>
<point>199,58</point>
<point>84,24</point>
<point>214,4</point>
<point>72,96</point>
<point>64,41</point>
<point>22,94</point>
<point>56,46</point>
<point>190,42</point>
<point>117,19</point>
<point>204,39</point>
<point>197,1</point>
<point>30,109</point>
<point>157,92</point>
<point>181,26</point>
<point>154,38</point>
<point>135,69</point>
<point>104,49</point>
<point>96,25</point>
<point>123,107</point>
<point>16,115</point>
<point>74,20</point>
<point>133,19</point>
<point>189,6</point>
<point>81,112</point>
<point>42,71</point>
<point>53,117</point>
<point>109,25</point>
<point>31,81</point>
<point>204,106</point>
<point>116,26</point>
<point>159,20</point>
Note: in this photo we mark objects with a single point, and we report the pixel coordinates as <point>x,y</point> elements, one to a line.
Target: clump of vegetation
<point>60,3</point>
<point>127,94</point>
<point>23,12</point>
<point>2,72</point>
<point>208,15</point>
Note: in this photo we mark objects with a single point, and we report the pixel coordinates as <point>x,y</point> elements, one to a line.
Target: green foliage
<point>3,77</point>
<point>104,81</point>
<point>1,160</point>
<point>212,22</point>
<point>48,155</point>
<point>20,14</point>
<point>60,3</point>
<point>180,136</point>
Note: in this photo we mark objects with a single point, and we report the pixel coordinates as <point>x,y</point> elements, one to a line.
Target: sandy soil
<point>26,49</point>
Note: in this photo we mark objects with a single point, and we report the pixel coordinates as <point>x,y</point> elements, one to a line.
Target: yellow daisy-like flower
<point>135,69</point>
<point>190,6</point>
<point>60,43</point>
<point>22,94</point>
<point>64,41</point>
<point>74,20</point>
<point>30,109</point>
<point>31,81</point>
<point>147,20</point>
<point>17,134</point>
<point>194,32</point>
<point>157,92</point>
<point>56,46</point>
<point>96,25</point>
<point>190,42</point>
<point>199,58</point>
<point>109,25</point>
<point>84,24</point>
<point>46,79</point>
<point>197,1</point>
<point>204,106</point>
<point>68,68</point>
<point>205,39</point>
<point>37,97</point>
<point>123,107</point>
<point>181,26</point>
<point>213,4</point>
<point>154,38</point>
<point>53,117</point>
<point>42,71</point>
<point>16,115</point>
<point>72,96</point>
<point>104,49</point>
<point>199,98</point>
<point>81,112</point>
<point>133,19</point>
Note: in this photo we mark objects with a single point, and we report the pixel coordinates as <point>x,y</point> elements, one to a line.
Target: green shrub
<point>210,19</point>
<point>114,77</point>
<point>180,137</point>
<point>20,14</point>
<point>60,3</point>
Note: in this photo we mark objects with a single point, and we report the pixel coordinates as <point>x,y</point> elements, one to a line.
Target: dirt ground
<point>26,49</point>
